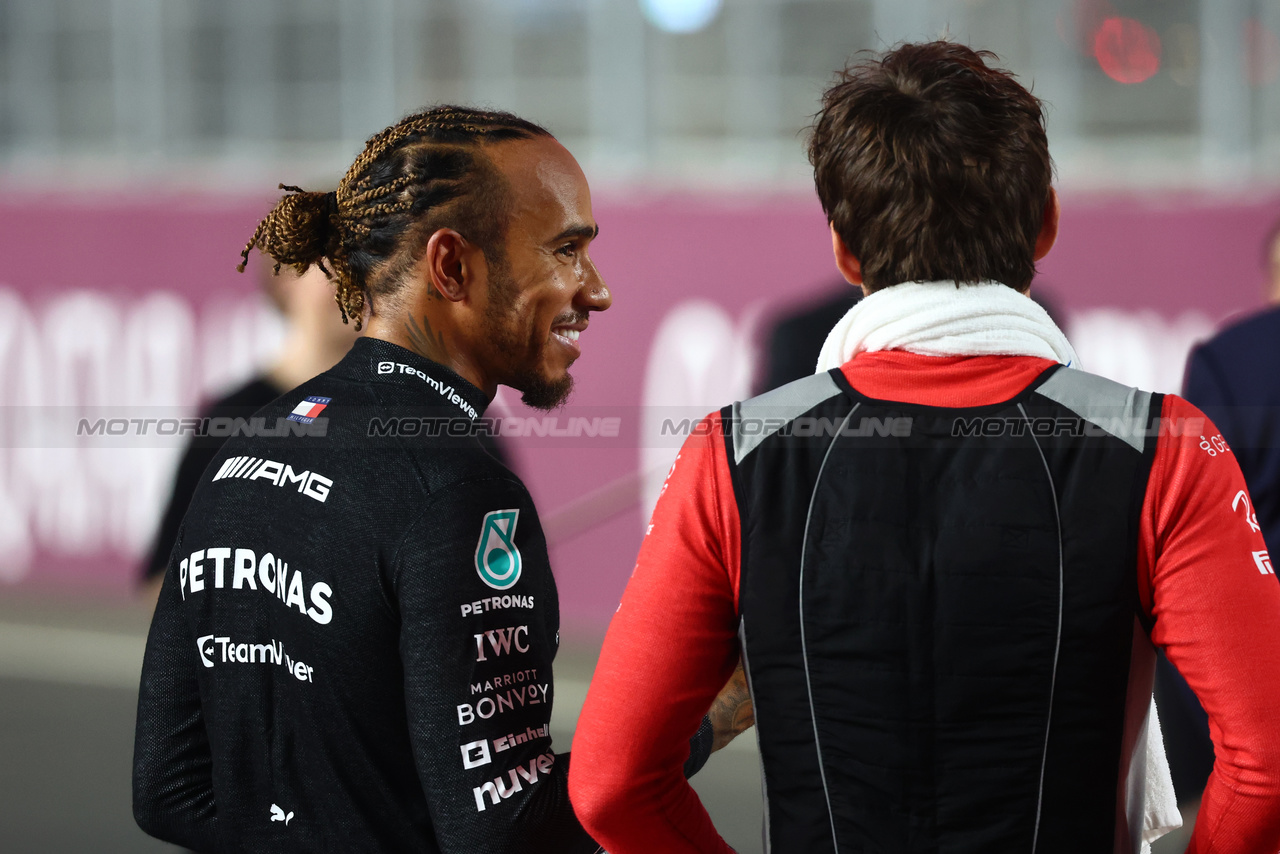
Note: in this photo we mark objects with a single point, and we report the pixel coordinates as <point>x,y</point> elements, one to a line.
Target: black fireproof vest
<point>940,617</point>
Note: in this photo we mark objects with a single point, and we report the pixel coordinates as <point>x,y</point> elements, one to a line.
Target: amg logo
<point>497,788</point>
<point>309,483</point>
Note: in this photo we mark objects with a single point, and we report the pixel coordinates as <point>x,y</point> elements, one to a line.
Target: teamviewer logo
<point>386,367</point>
<point>204,645</point>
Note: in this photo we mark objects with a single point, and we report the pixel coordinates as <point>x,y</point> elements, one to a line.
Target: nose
<point>594,294</point>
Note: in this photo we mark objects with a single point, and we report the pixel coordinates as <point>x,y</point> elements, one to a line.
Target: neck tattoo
<point>424,340</point>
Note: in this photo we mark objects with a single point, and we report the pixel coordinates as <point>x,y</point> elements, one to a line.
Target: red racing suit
<point>1204,581</point>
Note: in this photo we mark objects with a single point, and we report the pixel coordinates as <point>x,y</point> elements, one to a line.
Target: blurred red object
<point>1127,51</point>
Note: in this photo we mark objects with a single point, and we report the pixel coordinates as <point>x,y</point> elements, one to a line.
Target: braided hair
<point>423,173</point>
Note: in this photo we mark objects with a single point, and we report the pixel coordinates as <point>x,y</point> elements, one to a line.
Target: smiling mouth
<point>568,326</point>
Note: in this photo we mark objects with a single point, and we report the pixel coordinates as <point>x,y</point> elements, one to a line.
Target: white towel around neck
<point>988,319</point>
<point>940,319</point>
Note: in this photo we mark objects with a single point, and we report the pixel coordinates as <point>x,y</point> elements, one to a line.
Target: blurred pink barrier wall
<point>135,302</point>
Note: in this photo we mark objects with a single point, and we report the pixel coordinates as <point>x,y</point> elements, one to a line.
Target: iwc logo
<point>497,558</point>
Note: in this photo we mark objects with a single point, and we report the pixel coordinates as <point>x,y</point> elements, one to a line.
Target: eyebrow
<point>589,232</point>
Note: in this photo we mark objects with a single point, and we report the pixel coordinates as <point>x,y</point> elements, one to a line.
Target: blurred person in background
<point>353,645</point>
<point>945,557</point>
<point>1234,377</point>
<point>315,339</point>
<point>795,337</point>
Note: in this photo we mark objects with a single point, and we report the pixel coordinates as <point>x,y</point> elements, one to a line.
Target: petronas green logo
<point>497,558</point>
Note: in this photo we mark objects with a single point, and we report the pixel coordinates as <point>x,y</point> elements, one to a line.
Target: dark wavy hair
<point>933,165</point>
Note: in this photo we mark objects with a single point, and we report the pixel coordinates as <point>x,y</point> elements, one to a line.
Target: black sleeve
<point>477,658</point>
<point>172,762</point>
<point>700,748</point>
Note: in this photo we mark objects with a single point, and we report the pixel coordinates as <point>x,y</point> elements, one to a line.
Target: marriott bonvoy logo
<point>448,392</point>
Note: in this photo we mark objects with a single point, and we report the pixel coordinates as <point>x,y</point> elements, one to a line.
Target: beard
<point>536,390</point>
<point>542,393</point>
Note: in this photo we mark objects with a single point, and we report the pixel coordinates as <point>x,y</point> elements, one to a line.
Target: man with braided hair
<point>353,645</point>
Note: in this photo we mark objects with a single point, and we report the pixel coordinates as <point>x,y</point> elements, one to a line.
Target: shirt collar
<point>373,360</point>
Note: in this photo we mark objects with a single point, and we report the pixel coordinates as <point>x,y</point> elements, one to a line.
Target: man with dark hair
<point>353,645</point>
<point>944,558</point>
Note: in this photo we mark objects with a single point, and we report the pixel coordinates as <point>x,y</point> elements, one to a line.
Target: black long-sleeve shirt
<point>353,645</point>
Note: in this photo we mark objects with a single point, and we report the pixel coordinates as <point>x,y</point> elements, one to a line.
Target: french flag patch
<point>306,412</point>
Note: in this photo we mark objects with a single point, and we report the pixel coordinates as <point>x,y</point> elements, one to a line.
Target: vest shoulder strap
<point>758,418</point>
<point>1121,411</point>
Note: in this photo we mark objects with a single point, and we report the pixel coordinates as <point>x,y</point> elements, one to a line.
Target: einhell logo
<point>477,753</point>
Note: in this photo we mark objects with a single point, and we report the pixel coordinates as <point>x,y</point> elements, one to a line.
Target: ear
<point>448,264</point>
<point>1048,227</point>
<point>849,266</point>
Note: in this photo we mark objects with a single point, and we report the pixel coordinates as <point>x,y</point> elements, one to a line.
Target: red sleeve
<point>1206,579</point>
<point>670,649</point>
